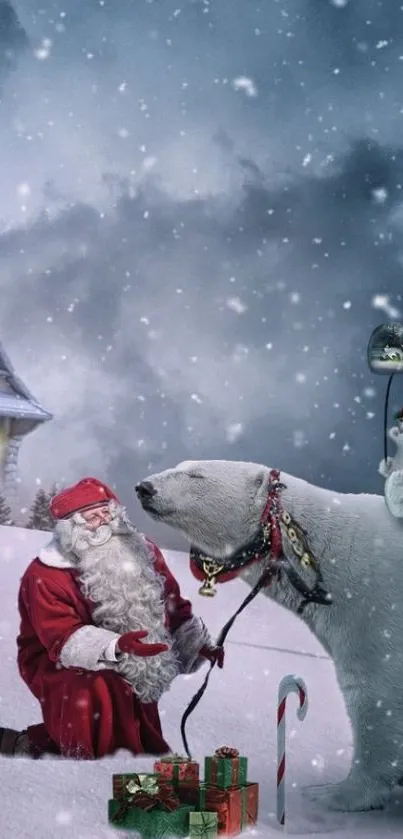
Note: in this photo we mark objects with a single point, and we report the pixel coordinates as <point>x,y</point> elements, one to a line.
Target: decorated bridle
<point>267,544</point>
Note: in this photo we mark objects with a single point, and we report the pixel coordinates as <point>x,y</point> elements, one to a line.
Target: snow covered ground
<point>55,799</point>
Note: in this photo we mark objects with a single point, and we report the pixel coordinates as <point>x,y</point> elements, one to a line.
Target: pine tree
<point>40,518</point>
<point>5,512</point>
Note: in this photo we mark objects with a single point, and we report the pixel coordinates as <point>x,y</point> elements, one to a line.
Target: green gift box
<point>203,825</point>
<point>151,824</point>
<point>226,769</point>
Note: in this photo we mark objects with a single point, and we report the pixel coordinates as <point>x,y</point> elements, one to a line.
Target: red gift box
<point>188,792</point>
<point>236,808</point>
<point>175,769</point>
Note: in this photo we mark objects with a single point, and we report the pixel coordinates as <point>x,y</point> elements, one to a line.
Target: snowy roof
<point>16,401</point>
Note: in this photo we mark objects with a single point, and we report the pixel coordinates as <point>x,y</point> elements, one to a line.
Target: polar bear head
<point>215,504</point>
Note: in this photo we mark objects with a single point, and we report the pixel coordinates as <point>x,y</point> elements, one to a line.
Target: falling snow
<point>381,301</point>
<point>43,52</point>
<point>246,85</point>
<point>234,431</point>
<point>380,195</point>
<point>236,305</point>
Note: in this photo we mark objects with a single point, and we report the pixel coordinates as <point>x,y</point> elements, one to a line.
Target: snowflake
<point>318,761</point>
<point>234,431</point>
<point>381,301</point>
<point>196,398</point>
<point>380,195</point>
<point>44,51</point>
<point>149,163</point>
<point>298,439</point>
<point>236,305</point>
<point>245,84</point>
<point>24,190</point>
<point>347,304</point>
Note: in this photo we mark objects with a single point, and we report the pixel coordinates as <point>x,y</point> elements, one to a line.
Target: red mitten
<point>130,643</point>
<point>213,654</point>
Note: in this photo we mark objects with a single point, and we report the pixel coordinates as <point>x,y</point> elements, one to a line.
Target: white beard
<point>117,574</point>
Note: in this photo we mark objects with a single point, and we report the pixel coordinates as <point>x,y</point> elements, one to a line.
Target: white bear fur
<point>217,506</point>
<point>392,470</point>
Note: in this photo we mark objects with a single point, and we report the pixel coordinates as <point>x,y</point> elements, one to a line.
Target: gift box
<point>236,808</point>
<point>203,825</point>
<point>188,792</point>
<point>176,769</point>
<point>226,768</point>
<point>125,785</point>
<point>151,824</point>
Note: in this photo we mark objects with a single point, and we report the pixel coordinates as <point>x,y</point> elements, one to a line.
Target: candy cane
<point>290,684</point>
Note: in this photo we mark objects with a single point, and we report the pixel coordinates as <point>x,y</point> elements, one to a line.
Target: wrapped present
<point>150,824</point>
<point>236,808</point>
<point>226,768</point>
<point>203,825</point>
<point>175,769</point>
<point>153,811</point>
<point>188,792</point>
<point>125,785</point>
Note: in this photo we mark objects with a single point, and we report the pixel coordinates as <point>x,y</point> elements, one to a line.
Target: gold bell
<point>210,569</point>
<point>207,589</point>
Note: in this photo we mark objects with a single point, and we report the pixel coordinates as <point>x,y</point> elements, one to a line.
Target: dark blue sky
<point>201,224</point>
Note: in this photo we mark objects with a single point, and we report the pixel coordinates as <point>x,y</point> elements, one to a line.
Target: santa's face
<point>97,516</point>
<point>92,527</point>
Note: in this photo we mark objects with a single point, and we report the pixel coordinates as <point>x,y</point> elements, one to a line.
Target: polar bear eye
<point>195,474</point>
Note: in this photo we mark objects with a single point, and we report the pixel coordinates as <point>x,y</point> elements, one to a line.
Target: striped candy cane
<point>290,684</point>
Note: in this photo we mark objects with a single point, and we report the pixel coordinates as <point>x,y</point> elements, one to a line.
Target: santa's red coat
<point>86,714</point>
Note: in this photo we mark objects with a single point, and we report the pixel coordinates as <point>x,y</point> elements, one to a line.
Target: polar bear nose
<point>145,490</point>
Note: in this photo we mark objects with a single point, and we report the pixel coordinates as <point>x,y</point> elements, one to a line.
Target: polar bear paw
<point>351,795</point>
<point>394,493</point>
<point>385,467</point>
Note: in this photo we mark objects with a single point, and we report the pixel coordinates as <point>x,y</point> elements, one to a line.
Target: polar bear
<point>218,504</point>
<point>392,470</point>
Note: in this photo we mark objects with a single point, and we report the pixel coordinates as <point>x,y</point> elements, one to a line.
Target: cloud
<point>187,270</point>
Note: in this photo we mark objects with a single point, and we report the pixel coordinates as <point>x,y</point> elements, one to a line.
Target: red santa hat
<point>89,492</point>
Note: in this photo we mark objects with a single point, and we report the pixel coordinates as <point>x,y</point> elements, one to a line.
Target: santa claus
<point>104,631</point>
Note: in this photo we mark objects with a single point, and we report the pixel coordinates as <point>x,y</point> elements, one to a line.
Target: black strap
<point>385,419</point>
<point>263,580</point>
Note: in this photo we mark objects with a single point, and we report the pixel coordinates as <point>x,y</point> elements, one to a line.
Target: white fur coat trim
<point>86,648</point>
<point>188,639</point>
<point>51,555</point>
